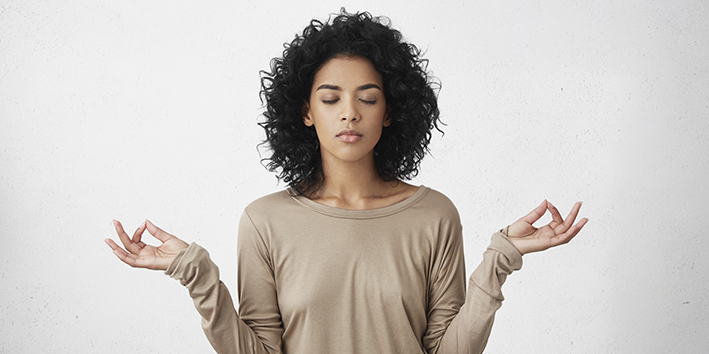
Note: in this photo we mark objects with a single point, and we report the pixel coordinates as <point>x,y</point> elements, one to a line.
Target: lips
<point>349,136</point>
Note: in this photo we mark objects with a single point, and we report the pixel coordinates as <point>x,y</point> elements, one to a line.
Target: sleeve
<point>226,331</point>
<point>469,330</point>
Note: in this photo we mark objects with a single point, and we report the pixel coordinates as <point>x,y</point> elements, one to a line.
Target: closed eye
<point>368,102</point>
<point>330,101</point>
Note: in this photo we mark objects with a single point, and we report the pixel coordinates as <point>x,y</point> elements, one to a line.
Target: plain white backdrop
<point>135,109</point>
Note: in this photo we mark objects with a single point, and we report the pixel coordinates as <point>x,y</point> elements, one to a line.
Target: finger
<point>571,233</point>
<point>127,258</point>
<point>124,256</point>
<point>554,213</point>
<point>157,232</point>
<point>138,234</point>
<point>570,218</point>
<point>535,214</point>
<point>112,244</point>
<point>127,243</point>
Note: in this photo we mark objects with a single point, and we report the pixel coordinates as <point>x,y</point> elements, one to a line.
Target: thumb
<point>536,214</point>
<point>524,226</point>
<point>157,232</point>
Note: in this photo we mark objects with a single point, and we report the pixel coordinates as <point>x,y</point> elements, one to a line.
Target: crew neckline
<point>360,214</point>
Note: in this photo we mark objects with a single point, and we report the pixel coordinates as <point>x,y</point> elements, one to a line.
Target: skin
<point>347,96</point>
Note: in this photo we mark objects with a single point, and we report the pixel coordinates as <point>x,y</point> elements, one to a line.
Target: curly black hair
<point>410,93</point>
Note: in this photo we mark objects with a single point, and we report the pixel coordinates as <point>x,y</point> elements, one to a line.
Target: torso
<point>351,281</point>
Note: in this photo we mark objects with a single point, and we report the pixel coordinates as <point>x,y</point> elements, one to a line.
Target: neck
<point>351,180</point>
<point>354,185</point>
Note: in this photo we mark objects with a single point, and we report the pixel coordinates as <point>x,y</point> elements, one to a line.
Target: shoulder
<point>437,213</point>
<point>433,209</point>
<point>269,202</point>
<point>264,213</point>
<point>275,209</point>
<point>439,203</point>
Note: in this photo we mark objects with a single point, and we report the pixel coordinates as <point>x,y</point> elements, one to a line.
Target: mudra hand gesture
<point>142,255</point>
<point>527,238</point>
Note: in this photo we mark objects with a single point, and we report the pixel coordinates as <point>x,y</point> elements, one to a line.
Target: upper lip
<point>349,132</point>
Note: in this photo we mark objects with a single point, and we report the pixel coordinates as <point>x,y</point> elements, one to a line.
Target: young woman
<point>350,258</point>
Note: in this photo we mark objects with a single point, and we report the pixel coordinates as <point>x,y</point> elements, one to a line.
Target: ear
<point>307,119</point>
<point>387,117</point>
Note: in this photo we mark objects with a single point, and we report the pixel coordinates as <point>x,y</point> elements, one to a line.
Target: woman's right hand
<point>142,255</point>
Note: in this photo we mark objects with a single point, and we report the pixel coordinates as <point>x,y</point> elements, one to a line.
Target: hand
<point>142,255</point>
<point>527,238</point>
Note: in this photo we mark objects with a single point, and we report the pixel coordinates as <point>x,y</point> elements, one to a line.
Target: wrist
<point>515,241</point>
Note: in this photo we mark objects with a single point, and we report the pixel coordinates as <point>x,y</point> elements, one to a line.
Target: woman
<point>349,259</point>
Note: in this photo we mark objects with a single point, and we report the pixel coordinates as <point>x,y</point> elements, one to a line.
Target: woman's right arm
<point>191,265</point>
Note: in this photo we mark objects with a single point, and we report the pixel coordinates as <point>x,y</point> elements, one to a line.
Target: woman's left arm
<point>469,330</point>
<point>527,238</point>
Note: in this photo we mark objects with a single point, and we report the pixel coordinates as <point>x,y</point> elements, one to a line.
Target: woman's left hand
<point>527,238</point>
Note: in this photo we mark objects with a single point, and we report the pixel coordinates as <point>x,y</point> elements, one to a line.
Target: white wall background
<point>138,109</point>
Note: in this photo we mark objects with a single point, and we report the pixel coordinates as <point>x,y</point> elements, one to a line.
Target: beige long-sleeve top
<point>316,279</point>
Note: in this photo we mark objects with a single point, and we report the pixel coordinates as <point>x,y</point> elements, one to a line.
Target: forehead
<point>347,71</point>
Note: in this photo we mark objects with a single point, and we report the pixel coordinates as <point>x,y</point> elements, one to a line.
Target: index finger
<point>554,213</point>
<point>125,239</point>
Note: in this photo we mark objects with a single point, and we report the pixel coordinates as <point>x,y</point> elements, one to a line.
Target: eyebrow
<point>338,88</point>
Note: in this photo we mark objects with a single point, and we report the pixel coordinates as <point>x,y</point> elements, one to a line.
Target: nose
<point>349,111</point>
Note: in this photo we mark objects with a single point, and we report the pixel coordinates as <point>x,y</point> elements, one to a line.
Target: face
<point>347,109</point>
